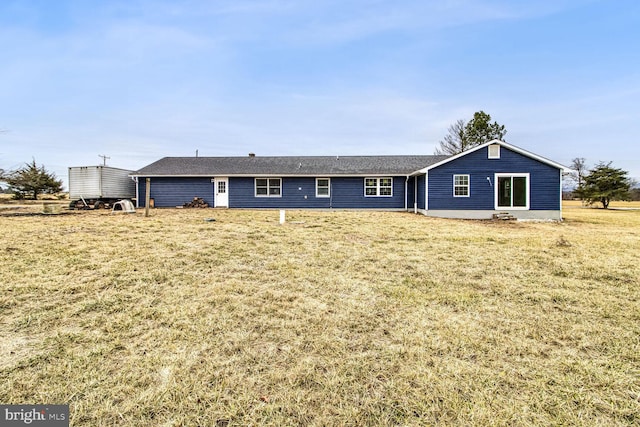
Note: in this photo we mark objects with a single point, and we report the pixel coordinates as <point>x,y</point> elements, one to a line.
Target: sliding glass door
<point>512,191</point>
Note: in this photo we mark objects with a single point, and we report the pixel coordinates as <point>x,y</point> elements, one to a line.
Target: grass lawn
<point>335,318</point>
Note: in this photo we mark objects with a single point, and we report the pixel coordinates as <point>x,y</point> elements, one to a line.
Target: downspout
<point>415,194</point>
<point>330,193</point>
<point>406,194</point>
<point>426,191</point>
<point>561,194</point>
<point>135,179</point>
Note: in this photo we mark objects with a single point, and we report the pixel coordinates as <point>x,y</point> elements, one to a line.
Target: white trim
<point>378,187</point>
<point>561,194</point>
<point>486,144</point>
<point>406,193</point>
<point>415,194</point>
<point>426,191</point>
<point>324,196</point>
<point>255,187</point>
<point>512,175</point>
<point>468,186</point>
<point>280,175</point>
<point>135,179</point>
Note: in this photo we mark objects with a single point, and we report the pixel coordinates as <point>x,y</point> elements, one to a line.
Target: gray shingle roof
<point>288,165</point>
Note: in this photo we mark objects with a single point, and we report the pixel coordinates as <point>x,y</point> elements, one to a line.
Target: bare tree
<point>579,167</point>
<point>455,141</point>
<point>462,135</point>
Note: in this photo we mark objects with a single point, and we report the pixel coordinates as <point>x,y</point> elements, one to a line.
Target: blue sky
<point>138,80</point>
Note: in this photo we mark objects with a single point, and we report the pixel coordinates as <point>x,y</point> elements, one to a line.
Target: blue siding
<point>349,194</point>
<point>171,192</point>
<point>300,193</point>
<point>421,192</point>
<point>544,181</point>
<point>296,193</point>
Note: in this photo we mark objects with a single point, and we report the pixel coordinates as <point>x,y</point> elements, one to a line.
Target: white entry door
<point>221,188</point>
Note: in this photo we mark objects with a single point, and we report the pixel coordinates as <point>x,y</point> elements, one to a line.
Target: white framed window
<point>378,187</point>
<point>460,185</point>
<point>512,191</point>
<point>323,187</point>
<point>494,151</point>
<point>268,187</point>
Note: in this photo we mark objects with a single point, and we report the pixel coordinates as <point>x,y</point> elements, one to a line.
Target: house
<point>491,178</point>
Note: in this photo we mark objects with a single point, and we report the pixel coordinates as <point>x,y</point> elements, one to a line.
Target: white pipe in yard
<point>282,215</point>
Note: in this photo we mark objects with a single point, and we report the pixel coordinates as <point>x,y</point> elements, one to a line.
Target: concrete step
<point>504,216</point>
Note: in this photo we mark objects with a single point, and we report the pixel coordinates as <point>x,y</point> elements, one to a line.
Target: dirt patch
<point>16,348</point>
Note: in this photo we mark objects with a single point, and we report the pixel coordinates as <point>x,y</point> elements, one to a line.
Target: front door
<point>221,188</point>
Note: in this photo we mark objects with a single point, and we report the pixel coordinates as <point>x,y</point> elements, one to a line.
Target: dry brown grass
<point>335,318</point>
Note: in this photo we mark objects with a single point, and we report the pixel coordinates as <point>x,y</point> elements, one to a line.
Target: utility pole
<point>104,159</point>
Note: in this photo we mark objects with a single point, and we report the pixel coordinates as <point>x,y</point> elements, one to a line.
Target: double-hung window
<point>512,190</point>
<point>323,187</point>
<point>268,187</point>
<point>460,185</point>
<point>378,187</point>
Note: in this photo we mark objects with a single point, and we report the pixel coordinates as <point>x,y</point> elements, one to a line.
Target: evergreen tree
<point>604,184</point>
<point>31,180</point>
<point>463,135</point>
<point>480,129</point>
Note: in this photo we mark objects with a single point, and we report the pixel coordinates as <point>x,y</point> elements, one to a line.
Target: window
<point>323,187</point>
<point>378,187</point>
<point>460,185</point>
<point>494,151</point>
<point>512,191</point>
<point>268,187</point>
<point>222,187</point>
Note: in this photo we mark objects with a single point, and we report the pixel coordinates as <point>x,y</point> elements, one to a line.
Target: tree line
<point>601,184</point>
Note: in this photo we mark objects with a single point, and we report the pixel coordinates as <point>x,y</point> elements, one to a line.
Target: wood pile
<point>197,202</point>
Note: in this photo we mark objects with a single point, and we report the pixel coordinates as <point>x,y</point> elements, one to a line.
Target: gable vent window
<point>494,151</point>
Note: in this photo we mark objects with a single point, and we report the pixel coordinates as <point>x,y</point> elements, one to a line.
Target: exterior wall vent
<point>494,151</point>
